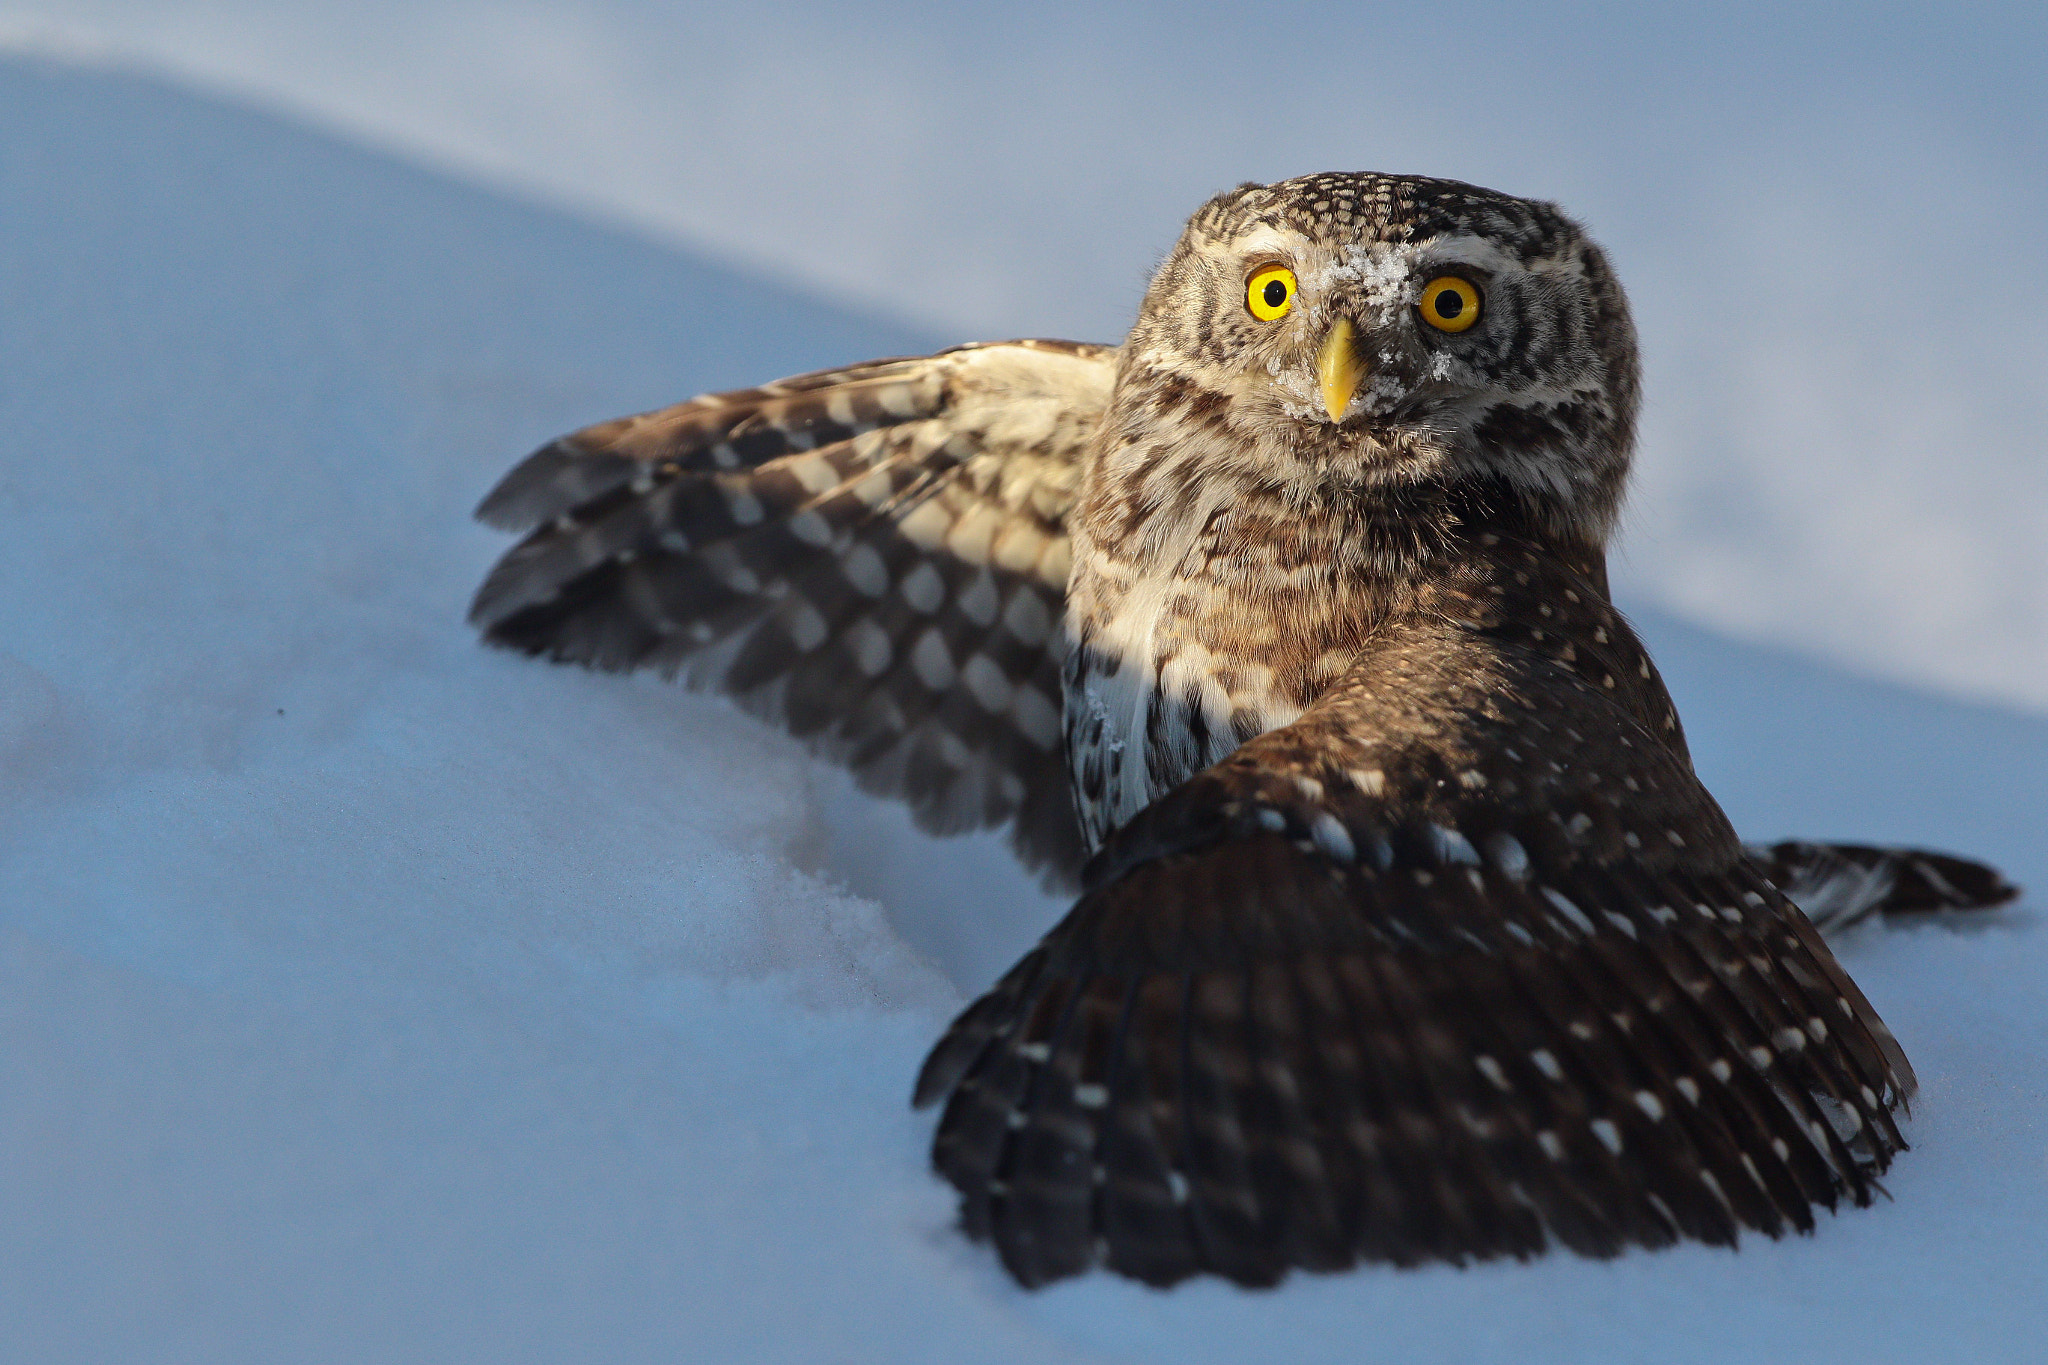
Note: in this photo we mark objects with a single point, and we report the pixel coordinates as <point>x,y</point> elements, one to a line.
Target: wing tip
<point>556,477</point>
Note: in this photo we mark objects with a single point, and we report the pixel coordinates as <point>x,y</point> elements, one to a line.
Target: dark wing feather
<point>1841,885</point>
<point>875,556</point>
<point>1462,964</point>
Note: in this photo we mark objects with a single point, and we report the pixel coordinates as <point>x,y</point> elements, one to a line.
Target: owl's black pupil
<point>1449,303</point>
<point>1276,293</point>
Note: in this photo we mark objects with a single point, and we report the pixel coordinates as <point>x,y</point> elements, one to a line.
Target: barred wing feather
<point>1383,986</point>
<point>875,556</point>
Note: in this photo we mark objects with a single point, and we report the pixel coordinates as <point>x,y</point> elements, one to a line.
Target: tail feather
<point>1839,885</point>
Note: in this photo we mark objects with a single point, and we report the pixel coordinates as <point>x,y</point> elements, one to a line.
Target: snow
<point>367,995</point>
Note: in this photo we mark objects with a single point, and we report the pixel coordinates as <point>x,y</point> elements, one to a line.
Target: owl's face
<point>1375,329</point>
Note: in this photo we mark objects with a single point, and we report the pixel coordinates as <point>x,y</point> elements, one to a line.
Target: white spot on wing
<point>810,528</point>
<point>1449,846</point>
<point>871,648</point>
<point>1566,908</point>
<point>988,684</point>
<point>979,600</point>
<point>1331,836</point>
<point>1508,854</point>
<point>1036,717</point>
<point>806,627</point>
<point>924,589</point>
<point>874,490</point>
<point>864,569</point>
<point>814,473</point>
<point>972,537</point>
<point>926,524</point>
<point>898,400</point>
<point>1026,617</point>
<point>931,661</point>
<point>743,507</point>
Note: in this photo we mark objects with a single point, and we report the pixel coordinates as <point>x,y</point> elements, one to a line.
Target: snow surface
<point>367,995</point>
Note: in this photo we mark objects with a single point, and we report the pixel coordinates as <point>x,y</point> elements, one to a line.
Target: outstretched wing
<point>1463,963</point>
<point>875,556</point>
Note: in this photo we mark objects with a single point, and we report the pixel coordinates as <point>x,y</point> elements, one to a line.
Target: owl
<point>1281,634</point>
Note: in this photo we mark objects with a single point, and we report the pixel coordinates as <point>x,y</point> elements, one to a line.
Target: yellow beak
<point>1338,369</point>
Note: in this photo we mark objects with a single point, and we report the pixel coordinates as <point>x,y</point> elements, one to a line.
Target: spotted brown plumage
<point>874,556</point>
<point>1409,932</point>
<point>1461,963</point>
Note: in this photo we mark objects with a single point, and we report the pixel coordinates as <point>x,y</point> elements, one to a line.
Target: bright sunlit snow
<point>368,995</point>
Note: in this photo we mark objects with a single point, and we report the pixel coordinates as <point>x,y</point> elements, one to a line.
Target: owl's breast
<point>1165,675</point>
<point>1204,608</point>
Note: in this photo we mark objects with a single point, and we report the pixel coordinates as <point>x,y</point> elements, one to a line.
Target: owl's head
<point>1375,329</point>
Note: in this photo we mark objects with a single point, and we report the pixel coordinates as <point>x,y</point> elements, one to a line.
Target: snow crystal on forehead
<point>1384,389</point>
<point>1383,273</point>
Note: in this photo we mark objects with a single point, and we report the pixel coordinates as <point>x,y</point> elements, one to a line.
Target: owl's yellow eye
<point>1449,304</point>
<point>1270,293</point>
